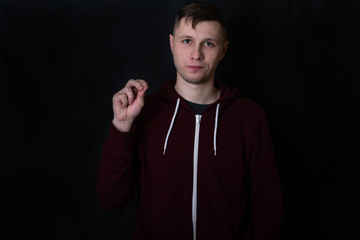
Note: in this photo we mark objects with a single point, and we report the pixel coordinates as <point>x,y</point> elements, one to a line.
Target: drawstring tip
<point>216,126</point>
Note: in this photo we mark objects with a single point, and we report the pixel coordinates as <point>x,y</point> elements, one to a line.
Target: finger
<point>120,99</point>
<point>141,95</point>
<point>139,84</point>
<point>124,100</point>
<point>130,93</point>
<point>143,82</point>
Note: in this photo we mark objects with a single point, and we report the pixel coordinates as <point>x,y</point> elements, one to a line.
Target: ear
<point>225,48</point>
<point>171,40</point>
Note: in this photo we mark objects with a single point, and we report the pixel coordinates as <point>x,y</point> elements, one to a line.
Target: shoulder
<point>241,112</point>
<point>240,105</point>
<point>249,106</point>
<point>233,99</point>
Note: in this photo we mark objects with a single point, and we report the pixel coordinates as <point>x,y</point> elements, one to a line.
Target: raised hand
<point>127,104</point>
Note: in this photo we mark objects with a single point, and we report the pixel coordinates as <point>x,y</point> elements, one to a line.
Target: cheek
<point>179,54</point>
<point>214,59</point>
<point>178,59</point>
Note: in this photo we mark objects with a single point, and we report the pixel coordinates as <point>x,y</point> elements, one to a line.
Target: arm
<point>116,175</point>
<point>265,190</point>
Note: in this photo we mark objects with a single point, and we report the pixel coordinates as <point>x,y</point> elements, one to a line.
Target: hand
<point>127,104</point>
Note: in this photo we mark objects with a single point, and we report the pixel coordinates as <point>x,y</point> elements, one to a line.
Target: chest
<point>172,152</point>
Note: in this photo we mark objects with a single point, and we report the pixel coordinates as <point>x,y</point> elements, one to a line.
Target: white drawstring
<point>171,124</point>
<point>216,126</point>
<point>173,119</point>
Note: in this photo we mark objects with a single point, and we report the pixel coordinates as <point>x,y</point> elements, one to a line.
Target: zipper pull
<point>198,118</point>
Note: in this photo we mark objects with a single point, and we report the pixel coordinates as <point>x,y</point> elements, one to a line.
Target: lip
<point>195,68</point>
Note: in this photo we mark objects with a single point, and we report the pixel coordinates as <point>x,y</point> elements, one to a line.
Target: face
<point>197,52</point>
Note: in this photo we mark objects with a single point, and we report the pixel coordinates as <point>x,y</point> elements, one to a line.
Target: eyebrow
<point>206,39</point>
<point>211,40</point>
<point>185,36</point>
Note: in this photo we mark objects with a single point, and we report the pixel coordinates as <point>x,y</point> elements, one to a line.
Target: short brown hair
<point>202,11</point>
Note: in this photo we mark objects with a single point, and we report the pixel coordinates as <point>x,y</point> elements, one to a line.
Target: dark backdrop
<point>61,62</point>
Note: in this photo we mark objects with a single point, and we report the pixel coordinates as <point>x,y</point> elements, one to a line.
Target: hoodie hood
<point>167,92</point>
<point>228,94</point>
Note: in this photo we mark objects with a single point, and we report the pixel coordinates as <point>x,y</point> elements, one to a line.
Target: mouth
<point>195,68</point>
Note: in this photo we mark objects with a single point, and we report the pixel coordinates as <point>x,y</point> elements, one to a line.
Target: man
<point>196,153</point>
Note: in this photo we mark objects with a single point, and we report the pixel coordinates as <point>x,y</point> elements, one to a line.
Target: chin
<point>195,78</point>
<point>196,81</point>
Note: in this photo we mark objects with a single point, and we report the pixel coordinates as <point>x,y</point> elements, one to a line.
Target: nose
<point>197,53</point>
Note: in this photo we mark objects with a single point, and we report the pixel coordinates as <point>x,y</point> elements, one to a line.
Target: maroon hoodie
<point>209,176</point>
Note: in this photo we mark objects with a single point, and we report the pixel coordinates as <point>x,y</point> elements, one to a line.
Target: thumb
<point>141,96</point>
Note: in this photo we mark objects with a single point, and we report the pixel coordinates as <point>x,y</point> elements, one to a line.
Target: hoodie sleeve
<point>116,176</point>
<point>265,190</point>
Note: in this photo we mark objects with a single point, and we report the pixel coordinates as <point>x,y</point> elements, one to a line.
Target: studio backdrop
<point>61,62</point>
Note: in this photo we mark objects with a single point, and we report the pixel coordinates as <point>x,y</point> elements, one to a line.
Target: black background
<point>61,62</point>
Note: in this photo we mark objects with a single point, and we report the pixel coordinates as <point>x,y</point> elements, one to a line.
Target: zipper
<point>195,172</point>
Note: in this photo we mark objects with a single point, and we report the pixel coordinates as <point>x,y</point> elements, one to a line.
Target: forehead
<point>206,29</point>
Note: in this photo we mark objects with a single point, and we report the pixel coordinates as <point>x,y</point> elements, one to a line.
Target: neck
<point>204,93</point>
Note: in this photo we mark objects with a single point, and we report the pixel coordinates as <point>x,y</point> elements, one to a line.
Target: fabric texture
<point>238,194</point>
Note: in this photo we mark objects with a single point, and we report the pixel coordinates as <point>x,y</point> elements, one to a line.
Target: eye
<point>186,41</point>
<point>209,44</point>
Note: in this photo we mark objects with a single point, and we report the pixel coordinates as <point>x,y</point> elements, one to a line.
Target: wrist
<point>123,126</point>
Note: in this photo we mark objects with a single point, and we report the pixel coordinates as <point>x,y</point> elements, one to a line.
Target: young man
<point>196,153</point>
